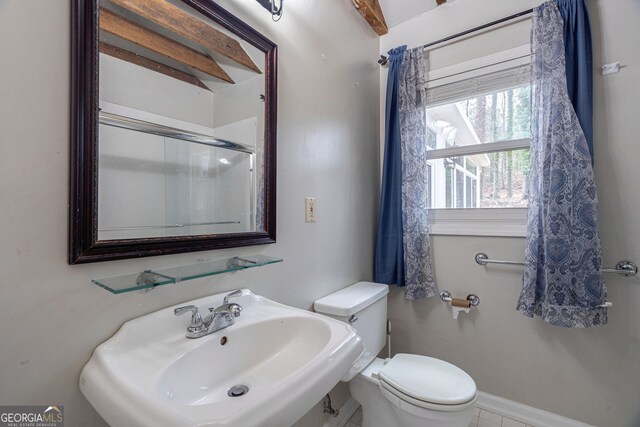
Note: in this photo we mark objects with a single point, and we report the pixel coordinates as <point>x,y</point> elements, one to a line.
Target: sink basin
<point>268,369</point>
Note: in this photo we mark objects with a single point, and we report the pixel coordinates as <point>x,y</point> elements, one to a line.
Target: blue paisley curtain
<point>562,282</point>
<point>415,178</point>
<point>403,250</point>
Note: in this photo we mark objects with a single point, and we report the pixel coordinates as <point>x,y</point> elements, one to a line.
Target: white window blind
<point>480,85</point>
<point>503,70</point>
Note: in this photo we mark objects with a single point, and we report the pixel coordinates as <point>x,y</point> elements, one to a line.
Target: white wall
<point>124,83</point>
<point>52,317</point>
<point>591,375</point>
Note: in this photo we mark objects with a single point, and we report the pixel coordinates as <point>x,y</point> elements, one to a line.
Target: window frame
<point>454,183</point>
<point>504,222</point>
<point>509,222</point>
<point>501,222</point>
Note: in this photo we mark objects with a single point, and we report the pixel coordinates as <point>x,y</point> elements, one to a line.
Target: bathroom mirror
<point>173,122</point>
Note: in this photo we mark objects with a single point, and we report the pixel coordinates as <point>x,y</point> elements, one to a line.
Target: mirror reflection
<point>181,124</point>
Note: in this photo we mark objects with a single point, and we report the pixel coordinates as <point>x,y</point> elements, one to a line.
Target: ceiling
<point>397,11</point>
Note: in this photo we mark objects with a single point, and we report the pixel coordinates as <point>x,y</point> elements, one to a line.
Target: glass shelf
<point>153,278</point>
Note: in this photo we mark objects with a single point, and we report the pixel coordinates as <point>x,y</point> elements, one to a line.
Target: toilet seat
<point>427,382</point>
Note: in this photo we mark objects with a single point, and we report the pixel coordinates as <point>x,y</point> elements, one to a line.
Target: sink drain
<point>238,390</point>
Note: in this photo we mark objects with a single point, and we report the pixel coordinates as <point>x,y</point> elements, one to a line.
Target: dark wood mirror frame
<point>84,245</point>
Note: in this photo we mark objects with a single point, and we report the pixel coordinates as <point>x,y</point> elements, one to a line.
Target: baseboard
<point>496,404</point>
<point>346,411</point>
<point>523,413</point>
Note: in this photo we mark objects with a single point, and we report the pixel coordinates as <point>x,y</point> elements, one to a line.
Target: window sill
<point>503,222</point>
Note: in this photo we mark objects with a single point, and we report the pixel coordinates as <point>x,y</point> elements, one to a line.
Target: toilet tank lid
<point>352,299</point>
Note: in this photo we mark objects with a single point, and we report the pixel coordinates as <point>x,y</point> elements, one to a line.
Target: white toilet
<point>407,390</point>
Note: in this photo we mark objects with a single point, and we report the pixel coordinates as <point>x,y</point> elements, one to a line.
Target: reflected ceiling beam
<point>372,13</point>
<point>150,64</point>
<point>135,33</point>
<point>171,17</point>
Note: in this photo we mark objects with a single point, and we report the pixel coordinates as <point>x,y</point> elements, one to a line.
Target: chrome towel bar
<point>623,268</point>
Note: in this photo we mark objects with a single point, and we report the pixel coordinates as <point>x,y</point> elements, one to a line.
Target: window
<point>478,149</point>
<point>486,175</point>
<point>432,139</point>
<point>464,187</point>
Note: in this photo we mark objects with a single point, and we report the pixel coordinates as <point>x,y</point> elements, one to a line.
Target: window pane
<point>474,193</point>
<point>499,116</point>
<point>432,138</point>
<point>499,178</point>
<point>504,180</point>
<point>448,188</point>
<point>429,180</point>
<point>459,189</point>
<point>471,167</point>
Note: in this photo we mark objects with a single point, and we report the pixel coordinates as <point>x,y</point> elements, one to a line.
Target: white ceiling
<point>397,11</point>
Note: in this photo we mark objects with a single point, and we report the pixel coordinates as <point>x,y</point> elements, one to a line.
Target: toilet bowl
<point>407,390</point>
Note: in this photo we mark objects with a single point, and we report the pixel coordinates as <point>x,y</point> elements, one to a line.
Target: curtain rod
<point>384,59</point>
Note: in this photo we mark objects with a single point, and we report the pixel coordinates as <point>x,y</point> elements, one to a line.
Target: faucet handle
<point>232,308</point>
<point>235,309</point>
<point>236,293</point>
<point>196,320</point>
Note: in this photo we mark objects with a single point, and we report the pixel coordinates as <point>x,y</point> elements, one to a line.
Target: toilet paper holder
<point>473,299</point>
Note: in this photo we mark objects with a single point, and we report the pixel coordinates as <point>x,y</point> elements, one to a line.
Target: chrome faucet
<point>218,318</point>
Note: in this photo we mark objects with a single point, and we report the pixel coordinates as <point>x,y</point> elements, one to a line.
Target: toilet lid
<point>428,380</point>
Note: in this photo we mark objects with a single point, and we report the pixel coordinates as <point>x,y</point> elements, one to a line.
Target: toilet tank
<point>364,306</point>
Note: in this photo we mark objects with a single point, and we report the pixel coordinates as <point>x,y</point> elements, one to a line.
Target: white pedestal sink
<point>150,374</point>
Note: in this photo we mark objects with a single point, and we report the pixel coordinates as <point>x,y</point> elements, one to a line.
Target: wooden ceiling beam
<point>150,64</point>
<point>372,13</point>
<point>171,17</point>
<point>135,33</point>
<point>439,2</point>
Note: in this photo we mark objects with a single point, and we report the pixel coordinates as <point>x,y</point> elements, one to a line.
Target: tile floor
<point>484,418</point>
<point>481,418</point>
<point>356,419</point>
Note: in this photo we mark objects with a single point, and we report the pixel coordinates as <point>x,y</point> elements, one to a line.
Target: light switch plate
<point>310,209</point>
